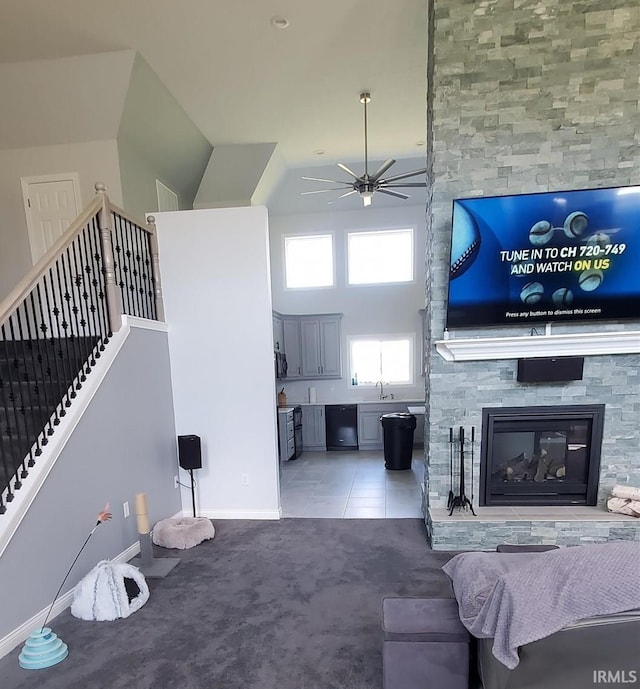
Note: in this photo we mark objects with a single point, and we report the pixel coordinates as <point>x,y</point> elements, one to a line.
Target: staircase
<point>57,322</point>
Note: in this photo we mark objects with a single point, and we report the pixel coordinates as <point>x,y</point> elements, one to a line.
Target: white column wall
<point>217,296</point>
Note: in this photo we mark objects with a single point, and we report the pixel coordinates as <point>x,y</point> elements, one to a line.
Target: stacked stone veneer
<point>527,96</point>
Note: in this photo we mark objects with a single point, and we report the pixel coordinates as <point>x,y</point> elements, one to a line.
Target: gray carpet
<point>289,604</point>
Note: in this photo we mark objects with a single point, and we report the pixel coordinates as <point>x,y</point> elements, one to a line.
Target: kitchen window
<point>388,359</point>
<point>380,256</point>
<point>308,261</point>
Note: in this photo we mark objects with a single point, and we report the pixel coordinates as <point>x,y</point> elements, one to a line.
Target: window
<point>380,256</point>
<point>308,261</point>
<point>389,360</point>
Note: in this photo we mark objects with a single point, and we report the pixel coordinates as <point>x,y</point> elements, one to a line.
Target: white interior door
<point>51,204</point>
<point>167,199</point>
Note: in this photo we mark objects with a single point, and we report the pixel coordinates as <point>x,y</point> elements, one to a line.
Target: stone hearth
<point>492,526</point>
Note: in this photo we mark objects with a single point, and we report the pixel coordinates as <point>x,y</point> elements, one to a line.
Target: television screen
<point>538,258</point>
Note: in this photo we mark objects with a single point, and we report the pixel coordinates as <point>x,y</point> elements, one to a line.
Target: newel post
<point>112,291</point>
<point>155,267</point>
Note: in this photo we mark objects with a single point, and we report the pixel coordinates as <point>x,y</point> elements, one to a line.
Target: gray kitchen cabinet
<point>292,348</point>
<point>312,346</point>
<point>313,427</point>
<point>320,338</point>
<point>369,429</point>
<point>286,438</point>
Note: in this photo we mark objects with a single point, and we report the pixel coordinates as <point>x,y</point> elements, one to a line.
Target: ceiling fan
<point>366,185</point>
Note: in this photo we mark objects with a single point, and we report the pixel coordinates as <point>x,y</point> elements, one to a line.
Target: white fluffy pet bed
<point>102,594</point>
<point>182,532</point>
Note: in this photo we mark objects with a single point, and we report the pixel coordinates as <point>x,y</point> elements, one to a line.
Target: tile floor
<point>350,485</point>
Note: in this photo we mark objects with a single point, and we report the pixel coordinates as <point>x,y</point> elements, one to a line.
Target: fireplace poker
<point>450,498</point>
<point>473,442</point>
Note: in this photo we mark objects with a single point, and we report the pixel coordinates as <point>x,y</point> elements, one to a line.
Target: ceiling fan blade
<point>330,181</point>
<point>393,193</point>
<point>404,175</point>
<point>346,169</point>
<point>321,191</point>
<point>384,185</point>
<point>353,191</point>
<point>382,169</point>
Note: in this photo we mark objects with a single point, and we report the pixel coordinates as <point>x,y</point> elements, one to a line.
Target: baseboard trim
<point>20,634</point>
<point>235,514</point>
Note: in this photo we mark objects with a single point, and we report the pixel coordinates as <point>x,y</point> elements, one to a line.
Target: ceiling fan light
<point>366,197</point>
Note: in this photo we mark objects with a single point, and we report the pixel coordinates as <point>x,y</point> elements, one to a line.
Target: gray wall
<point>107,117</point>
<point>157,140</point>
<point>124,444</point>
<point>537,98</point>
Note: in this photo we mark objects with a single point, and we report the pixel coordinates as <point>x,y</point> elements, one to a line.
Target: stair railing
<point>58,320</point>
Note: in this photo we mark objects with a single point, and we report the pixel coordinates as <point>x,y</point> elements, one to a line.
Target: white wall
<point>217,297</point>
<point>368,310</point>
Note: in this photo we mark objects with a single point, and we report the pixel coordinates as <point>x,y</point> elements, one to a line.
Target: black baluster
<point>14,435</point>
<point>135,272</point>
<point>8,451</point>
<point>69,318</point>
<point>64,341</point>
<point>5,447</point>
<point>42,326</point>
<point>81,297</point>
<point>41,437</point>
<point>62,363</point>
<point>90,289</point>
<point>149,286</point>
<point>94,240</point>
<point>139,269</point>
<point>56,394</point>
<point>120,262</point>
<point>33,428</point>
<point>75,310</point>
<point>126,241</point>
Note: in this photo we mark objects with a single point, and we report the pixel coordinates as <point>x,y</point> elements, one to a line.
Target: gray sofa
<point>564,619</point>
<point>571,657</point>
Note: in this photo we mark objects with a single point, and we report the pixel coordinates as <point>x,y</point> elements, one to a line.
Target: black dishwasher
<point>342,426</point>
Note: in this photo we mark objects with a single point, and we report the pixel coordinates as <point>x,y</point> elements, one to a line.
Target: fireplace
<point>541,455</point>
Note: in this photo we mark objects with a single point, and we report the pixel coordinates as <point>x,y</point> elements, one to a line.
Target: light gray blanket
<point>519,598</point>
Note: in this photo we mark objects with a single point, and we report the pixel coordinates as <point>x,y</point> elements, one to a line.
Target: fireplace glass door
<point>541,455</point>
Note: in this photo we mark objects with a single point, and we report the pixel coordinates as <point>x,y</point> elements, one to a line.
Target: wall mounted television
<point>545,257</point>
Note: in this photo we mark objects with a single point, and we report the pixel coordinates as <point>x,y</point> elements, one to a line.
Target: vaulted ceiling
<point>243,80</point>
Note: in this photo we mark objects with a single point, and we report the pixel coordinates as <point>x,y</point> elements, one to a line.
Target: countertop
<point>412,402</point>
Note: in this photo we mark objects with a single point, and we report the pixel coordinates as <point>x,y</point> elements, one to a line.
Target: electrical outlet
<point>245,479</point>
<point>175,481</point>
<point>125,509</point>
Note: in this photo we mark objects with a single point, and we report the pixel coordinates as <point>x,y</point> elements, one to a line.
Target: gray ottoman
<point>425,644</point>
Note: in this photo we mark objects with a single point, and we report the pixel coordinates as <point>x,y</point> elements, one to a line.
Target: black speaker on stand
<point>190,458</point>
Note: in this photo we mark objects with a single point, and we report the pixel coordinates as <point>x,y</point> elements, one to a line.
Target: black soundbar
<point>550,370</point>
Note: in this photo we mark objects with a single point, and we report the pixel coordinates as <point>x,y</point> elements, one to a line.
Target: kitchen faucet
<point>382,395</point>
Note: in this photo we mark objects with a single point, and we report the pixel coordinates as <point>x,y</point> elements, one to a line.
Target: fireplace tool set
<point>456,470</point>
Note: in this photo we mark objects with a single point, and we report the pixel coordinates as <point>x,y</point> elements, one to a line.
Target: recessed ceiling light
<point>419,143</point>
<point>319,152</point>
<point>279,22</point>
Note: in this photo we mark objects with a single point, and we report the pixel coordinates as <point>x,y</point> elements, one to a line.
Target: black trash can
<point>398,431</point>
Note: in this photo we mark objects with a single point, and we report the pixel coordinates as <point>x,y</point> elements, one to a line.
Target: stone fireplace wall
<point>529,96</point>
